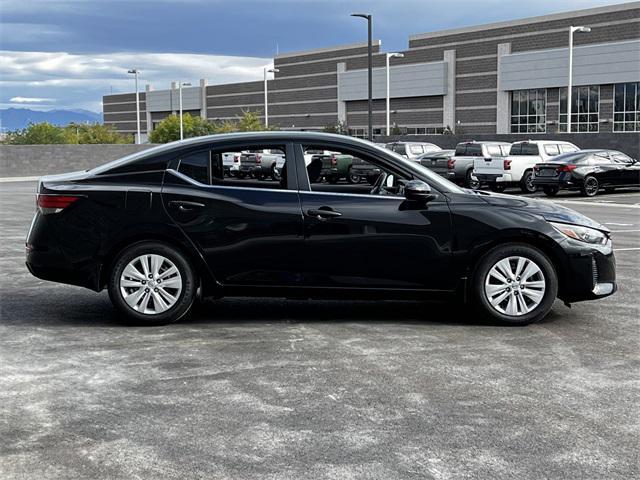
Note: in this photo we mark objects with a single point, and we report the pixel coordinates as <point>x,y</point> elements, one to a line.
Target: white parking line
<point>625,249</point>
<point>624,231</point>
<point>18,179</point>
<point>599,204</point>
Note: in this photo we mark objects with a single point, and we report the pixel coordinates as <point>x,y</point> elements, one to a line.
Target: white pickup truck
<point>517,167</point>
<point>231,163</point>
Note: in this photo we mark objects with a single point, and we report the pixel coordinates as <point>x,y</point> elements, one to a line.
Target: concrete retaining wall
<point>36,160</point>
<point>628,143</point>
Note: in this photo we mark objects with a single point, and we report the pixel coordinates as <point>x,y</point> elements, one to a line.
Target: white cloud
<point>30,100</point>
<point>80,80</point>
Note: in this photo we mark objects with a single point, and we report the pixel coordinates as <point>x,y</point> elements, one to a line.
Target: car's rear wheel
<point>471,181</point>
<point>550,191</point>
<point>515,284</point>
<point>152,283</point>
<point>352,177</point>
<point>496,187</point>
<point>590,186</point>
<point>526,183</point>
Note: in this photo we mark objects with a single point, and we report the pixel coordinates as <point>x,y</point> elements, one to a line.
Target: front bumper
<point>589,276</point>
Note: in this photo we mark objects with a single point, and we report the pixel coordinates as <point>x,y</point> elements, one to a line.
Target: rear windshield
<point>524,149</point>
<point>397,147</point>
<point>469,150</point>
<point>574,157</point>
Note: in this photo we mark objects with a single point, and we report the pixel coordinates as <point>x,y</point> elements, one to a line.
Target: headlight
<point>583,234</point>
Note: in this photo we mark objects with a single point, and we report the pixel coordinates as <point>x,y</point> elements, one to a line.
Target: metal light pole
<point>572,30</point>
<point>390,55</point>
<point>266,100</point>
<point>135,72</point>
<point>367,17</point>
<point>180,85</point>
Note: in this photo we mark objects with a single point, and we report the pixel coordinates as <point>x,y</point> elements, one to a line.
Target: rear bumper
<point>52,266</point>
<point>494,178</point>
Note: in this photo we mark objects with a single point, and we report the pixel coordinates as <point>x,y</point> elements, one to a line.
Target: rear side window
<point>416,149</point>
<point>552,150</point>
<point>568,148</point>
<point>524,149</point>
<point>599,159</point>
<point>621,158</point>
<point>398,148</point>
<point>196,166</point>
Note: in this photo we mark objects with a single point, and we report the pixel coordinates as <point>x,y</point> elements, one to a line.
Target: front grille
<point>594,271</point>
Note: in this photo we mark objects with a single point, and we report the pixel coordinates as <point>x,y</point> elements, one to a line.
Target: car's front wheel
<point>497,187</point>
<point>515,284</point>
<point>152,283</point>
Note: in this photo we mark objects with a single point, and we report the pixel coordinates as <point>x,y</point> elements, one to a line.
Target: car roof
<point>545,142</point>
<point>484,142</point>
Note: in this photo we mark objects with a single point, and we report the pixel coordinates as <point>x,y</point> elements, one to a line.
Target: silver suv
<point>412,150</point>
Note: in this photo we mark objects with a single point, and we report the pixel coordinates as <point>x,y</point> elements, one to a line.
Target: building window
<point>529,111</point>
<point>584,110</point>
<point>626,109</point>
<point>358,132</point>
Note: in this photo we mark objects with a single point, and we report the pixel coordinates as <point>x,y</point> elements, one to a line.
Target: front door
<point>248,230</point>
<point>368,236</point>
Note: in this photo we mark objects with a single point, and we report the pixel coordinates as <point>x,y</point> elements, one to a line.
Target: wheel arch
<point>205,276</point>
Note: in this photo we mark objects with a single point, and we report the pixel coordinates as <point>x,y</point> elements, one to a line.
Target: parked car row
<point>530,164</point>
<point>550,164</point>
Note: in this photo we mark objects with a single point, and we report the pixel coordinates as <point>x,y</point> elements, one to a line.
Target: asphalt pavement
<point>273,389</point>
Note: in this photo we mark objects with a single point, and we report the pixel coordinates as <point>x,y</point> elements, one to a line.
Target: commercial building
<point>502,78</point>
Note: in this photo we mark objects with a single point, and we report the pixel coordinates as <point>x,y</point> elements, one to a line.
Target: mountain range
<point>16,118</point>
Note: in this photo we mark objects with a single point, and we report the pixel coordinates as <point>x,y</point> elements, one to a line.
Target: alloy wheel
<point>591,186</point>
<point>514,286</point>
<point>151,284</point>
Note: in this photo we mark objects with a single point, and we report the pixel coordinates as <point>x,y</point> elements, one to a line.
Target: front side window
<point>626,109</point>
<point>585,102</point>
<point>346,171</point>
<point>416,149</point>
<point>495,151</point>
<point>474,150</point>
<point>551,150</point>
<point>529,111</point>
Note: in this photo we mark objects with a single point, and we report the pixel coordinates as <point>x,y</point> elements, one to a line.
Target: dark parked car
<point>160,227</point>
<point>587,171</point>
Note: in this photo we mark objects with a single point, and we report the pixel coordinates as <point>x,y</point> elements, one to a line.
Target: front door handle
<point>321,214</point>
<point>185,206</point>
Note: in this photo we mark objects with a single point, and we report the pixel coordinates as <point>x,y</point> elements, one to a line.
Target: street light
<point>367,17</point>
<point>266,101</point>
<point>180,85</point>
<point>135,72</point>
<point>572,30</point>
<point>390,55</point>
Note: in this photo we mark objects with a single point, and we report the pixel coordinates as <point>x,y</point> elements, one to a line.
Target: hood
<point>548,210</point>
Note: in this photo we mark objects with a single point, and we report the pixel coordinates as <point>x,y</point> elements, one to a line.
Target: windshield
<point>524,149</point>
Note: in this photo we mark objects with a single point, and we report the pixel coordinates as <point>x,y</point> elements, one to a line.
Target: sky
<point>69,53</point>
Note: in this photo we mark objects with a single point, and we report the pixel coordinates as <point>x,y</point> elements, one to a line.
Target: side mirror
<point>418,191</point>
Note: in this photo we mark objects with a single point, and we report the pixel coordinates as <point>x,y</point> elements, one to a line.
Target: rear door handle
<point>185,206</point>
<point>321,213</point>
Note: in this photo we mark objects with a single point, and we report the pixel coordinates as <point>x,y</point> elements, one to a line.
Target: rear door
<point>249,231</point>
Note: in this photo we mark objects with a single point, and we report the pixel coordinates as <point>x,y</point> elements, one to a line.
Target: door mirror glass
<point>418,191</point>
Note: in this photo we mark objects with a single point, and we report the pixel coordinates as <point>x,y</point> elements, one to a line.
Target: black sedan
<point>161,227</point>
<point>587,171</point>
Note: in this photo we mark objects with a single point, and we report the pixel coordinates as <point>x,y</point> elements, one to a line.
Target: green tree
<point>39,134</point>
<point>168,130</point>
<point>95,133</point>
<point>340,127</point>
<point>250,122</point>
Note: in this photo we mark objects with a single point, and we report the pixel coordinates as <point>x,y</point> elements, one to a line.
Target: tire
<point>497,187</point>
<point>241,175</point>
<point>352,179</point>
<point>471,181</point>
<point>275,175</point>
<point>541,287</point>
<point>590,186</point>
<point>550,191</point>
<point>333,179</point>
<point>526,183</point>
<point>159,309</point>
<point>259,176</point>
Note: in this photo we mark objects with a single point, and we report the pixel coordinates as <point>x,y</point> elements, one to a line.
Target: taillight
<point>536,168</point>
<point>258,158</point>
<point>54,203</point>
<point>506,164</point>
<point>451,164</point>
<point>334,160</point>
<point>565,168</point>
